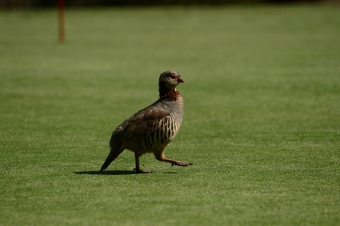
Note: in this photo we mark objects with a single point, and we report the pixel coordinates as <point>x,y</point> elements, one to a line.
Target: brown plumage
<point>152,128</point>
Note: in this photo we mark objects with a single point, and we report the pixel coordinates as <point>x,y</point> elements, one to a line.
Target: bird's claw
<point>181,163</point>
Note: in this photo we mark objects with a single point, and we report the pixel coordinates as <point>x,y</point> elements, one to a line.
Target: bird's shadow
<point>114,172</point>
<point>107,172</point>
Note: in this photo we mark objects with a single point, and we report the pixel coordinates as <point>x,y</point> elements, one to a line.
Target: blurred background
<point>82,3</point>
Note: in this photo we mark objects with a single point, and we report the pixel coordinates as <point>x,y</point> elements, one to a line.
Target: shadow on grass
<point>108,172</point>
<point>114,172</point>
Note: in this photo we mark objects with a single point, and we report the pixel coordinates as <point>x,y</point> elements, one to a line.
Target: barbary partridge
<point>151,129</point>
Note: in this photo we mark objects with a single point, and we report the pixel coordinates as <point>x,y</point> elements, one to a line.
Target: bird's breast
<point>161,133</point>
<point>176,108</point>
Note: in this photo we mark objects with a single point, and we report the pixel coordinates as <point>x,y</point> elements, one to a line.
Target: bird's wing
<point>140,123</point>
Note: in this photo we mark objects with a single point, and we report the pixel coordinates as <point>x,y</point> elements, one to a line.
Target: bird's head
<point>170,79</point>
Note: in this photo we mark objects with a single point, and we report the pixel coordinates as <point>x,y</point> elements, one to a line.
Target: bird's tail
<point>114,152</point>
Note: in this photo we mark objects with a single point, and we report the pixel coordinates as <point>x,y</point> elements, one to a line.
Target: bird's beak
<point>179,80</point>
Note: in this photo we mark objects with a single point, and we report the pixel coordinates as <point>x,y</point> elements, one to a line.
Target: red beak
<point>180,80</point>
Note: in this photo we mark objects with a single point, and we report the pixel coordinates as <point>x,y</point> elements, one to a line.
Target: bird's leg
<point>162,158</point>
<point>137,169</point>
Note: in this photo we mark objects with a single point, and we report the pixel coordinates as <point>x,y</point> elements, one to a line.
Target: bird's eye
<point>172,76</point>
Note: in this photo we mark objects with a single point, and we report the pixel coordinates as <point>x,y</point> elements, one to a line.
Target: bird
<point>151,129</point>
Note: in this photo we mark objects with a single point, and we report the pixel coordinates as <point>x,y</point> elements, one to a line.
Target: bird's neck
<point>168,94</point>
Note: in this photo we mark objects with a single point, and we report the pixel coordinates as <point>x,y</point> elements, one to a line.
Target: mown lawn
<point>261,122</point>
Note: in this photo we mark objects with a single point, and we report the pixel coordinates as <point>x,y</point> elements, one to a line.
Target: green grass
<point>261,121</point>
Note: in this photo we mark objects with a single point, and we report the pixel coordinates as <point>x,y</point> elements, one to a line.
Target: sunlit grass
<point>261,121</point>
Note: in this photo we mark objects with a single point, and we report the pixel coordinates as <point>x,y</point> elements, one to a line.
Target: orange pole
<point>61,20</point>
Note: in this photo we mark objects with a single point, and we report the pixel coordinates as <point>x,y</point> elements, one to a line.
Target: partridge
<point>151,129</point>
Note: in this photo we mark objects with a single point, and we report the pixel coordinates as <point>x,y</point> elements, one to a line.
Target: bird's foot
<point>142,171</point>
<point>178,163</point>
